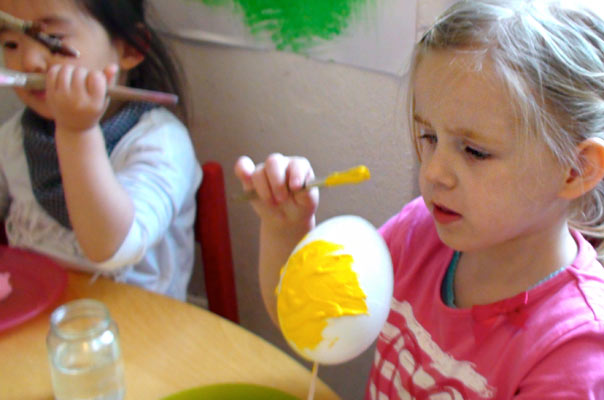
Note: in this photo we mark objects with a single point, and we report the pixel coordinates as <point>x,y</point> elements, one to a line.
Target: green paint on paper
<point>296,24</point>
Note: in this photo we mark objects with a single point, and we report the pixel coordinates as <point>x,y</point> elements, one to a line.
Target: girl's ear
<point>129,56</point>
<point>590,154</point>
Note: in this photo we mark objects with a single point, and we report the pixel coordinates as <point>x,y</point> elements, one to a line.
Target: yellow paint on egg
<point>316,285</point>
<point>353,175</point>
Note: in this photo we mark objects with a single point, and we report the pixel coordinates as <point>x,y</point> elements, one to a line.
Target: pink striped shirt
<point>547,343</point>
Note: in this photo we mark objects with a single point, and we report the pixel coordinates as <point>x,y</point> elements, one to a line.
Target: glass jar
<point>84,352</point>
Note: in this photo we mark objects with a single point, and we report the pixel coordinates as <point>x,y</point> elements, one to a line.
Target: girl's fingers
<point>79,81</point>
<point>69,79</point>
<point>51,78</point>
<point>304,202</point>
<point>261,185</point>
<point>51,74</point>
<point>275,170</point>
<point>96,85</point>
<point>298,173</point>
<point>278,181</point>
<point>276,203</point>
<point>64,77</point>
<point>110,73</point>
<point>308,200</point>
<point>244,168</point>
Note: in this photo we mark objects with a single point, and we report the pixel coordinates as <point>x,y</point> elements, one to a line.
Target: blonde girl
<point>497,293</point>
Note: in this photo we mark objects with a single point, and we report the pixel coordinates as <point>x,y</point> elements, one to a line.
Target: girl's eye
<point>8,44</point>
<point>57,36</point>
<point>425,134</point>
<point>476,154</point>
<point>428,137</point>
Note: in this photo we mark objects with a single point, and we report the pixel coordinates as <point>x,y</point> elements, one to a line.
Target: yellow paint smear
<point>353,175</point>
<point>317,285</point>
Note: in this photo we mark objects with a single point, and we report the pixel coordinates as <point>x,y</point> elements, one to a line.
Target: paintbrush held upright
<point>34,30</point>
<point>10,78</point>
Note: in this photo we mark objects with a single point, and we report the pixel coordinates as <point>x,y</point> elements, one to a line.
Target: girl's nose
<point>438,169</point>
<point>34,56</point>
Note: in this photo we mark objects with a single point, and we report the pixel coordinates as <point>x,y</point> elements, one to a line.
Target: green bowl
<point>230,391</point>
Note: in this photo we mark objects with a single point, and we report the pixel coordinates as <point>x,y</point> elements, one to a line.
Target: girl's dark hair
<point>160,70</point>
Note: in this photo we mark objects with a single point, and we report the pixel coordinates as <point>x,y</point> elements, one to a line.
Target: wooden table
<point>167,346</point>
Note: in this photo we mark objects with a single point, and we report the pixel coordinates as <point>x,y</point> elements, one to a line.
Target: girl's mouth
<point>38,94</point>
<point>443,215</point>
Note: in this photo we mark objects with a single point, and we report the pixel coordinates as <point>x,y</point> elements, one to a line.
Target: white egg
<point>332,304</point>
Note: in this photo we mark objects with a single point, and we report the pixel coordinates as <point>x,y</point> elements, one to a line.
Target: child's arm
<point>100,210</point>
<point>286,213</point>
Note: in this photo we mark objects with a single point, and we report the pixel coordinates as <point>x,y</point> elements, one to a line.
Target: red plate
<point>37,283</point>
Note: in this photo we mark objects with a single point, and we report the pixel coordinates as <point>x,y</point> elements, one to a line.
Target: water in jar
<point>88,370</point>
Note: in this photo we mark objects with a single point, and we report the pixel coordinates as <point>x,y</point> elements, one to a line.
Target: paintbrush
<point>34,30</point>
<point>10,78</point>
<point>351,176</point>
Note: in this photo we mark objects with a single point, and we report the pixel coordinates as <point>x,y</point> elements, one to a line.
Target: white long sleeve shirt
<point>156,164</point>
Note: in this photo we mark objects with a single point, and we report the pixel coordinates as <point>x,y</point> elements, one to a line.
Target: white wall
<point>255,103</point>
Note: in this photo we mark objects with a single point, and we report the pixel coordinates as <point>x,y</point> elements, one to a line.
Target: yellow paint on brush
<point>317,285</point>
<point>353,175</point>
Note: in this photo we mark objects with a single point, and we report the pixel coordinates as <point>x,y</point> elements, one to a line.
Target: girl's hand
<point>76,96</point>
<point>278,182</point>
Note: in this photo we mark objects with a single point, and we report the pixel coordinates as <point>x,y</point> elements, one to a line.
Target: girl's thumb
<point>111,72</point>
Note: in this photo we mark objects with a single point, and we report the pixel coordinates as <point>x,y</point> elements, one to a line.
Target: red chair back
<point>212,233</point>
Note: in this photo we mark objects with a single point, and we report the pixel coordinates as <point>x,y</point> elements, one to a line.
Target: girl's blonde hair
<point>550,56</point>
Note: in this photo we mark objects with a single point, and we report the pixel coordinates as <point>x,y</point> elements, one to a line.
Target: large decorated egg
<point>335,289</point>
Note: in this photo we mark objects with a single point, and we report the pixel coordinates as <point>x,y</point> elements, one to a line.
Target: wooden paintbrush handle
<point>133,94</point>
<point>7,21</point>
<point>38,81</point>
